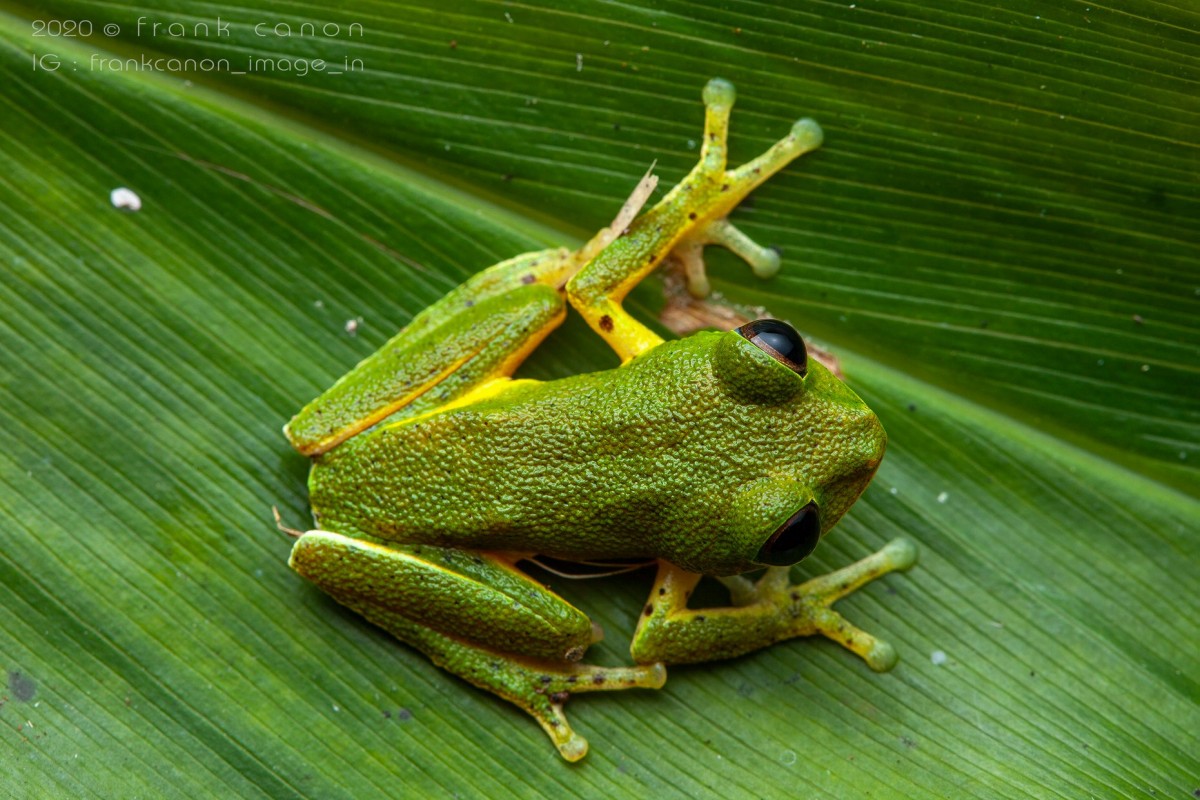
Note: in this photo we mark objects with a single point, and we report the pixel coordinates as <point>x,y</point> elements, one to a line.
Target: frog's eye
<point>794,540</point>
<point>780,341</point>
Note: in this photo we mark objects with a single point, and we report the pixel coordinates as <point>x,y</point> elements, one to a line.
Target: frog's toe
<point>763,261</point>
<point>901,553</point>
<point>719,92</point>
<point>881,656</point>
<point>807,134</point>
<point>691,256</point>
<point>570,745</point>
<point>574,748</point>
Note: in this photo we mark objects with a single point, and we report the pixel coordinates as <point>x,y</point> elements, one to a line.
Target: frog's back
<point>587,466</point>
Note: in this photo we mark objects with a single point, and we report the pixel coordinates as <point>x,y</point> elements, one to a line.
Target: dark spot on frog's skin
<point>546,679</point>
<point>662,591</point>
<point>700,618</point>
<point>795,597</point>
<point>692,215</point>
<point>606,323</point>
<point>598,680</point>
<point>527,279</point>
<point>560,697</point>
<point>572,679</point>
<point>21,686</point>
<point>724,187</point>
<point>469,303</point>
<point>649,609</point>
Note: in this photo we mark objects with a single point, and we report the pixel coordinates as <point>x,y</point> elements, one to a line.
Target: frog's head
<point>813,445</point>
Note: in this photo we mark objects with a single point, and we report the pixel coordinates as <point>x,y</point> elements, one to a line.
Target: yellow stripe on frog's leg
<point>691,215</point>
<point>477,333</point>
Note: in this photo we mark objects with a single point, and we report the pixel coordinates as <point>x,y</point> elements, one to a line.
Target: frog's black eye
<point>780,341</point>
<point>794,540</point>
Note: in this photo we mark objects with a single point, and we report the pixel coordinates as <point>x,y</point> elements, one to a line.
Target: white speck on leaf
<point>579,62</point>
<point>352,325</point>
<point>938,657</point>
<point>943,497</point>
<point>125,199</point>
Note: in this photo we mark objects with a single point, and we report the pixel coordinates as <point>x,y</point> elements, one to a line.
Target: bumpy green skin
<point>442,353</point>
<point>435,473</point>
<point>458,592</point>
<point>647,460</point>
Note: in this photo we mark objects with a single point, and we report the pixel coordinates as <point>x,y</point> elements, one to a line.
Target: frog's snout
<point>874,441</point>
<point>866,442</point>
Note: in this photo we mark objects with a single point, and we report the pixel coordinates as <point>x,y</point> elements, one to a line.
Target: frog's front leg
<point>763,613</point>
<point>689,217</point>
<point>476,615</point>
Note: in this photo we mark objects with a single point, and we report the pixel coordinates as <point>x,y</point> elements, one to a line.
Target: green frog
<point>723,453</point>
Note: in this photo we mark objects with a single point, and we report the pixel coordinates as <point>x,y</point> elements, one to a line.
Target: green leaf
<point>999,239</point>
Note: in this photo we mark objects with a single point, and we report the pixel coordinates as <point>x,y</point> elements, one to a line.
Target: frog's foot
<point>543,688</point>
<point>764,261</point>
<point>734,185</point>
<point>810,602</point>
<point>540,687</point>
<point>763,613</point>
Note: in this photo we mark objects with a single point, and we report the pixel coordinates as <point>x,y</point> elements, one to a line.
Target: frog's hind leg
<point>478,333</point>
<point>763,613</point>
<point>476,615</point>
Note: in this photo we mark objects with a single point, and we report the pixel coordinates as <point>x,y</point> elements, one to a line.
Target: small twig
<point>295,534</point>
